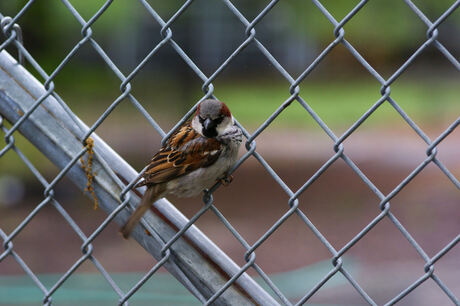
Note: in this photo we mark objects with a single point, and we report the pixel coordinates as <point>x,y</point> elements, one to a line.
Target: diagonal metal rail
<point>51,130</point>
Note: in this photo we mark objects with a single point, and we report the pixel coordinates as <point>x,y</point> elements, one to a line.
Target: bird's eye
<point>219,120</point>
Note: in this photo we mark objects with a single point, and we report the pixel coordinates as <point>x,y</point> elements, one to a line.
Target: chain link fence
<point>36,110</point>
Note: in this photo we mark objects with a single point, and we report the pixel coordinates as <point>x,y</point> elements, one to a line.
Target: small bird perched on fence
<point>198,154</point>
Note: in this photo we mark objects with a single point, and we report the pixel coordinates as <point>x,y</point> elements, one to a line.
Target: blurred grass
<point>339,103</point>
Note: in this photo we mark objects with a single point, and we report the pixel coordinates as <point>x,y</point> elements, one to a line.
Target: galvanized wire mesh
<point>13,38</point>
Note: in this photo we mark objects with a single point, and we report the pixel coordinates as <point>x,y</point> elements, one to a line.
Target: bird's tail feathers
<point>151,195</point>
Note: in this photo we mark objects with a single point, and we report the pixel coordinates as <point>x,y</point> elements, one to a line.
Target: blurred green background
<point>339,90</point>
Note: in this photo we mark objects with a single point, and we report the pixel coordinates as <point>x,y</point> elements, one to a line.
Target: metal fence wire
<point>170,248</point>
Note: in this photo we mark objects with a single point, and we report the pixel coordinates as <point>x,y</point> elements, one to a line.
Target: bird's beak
<point>209,128</point>
<point>209,124</point>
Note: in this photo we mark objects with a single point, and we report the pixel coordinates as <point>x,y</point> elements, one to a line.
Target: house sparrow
<point>198,154</point>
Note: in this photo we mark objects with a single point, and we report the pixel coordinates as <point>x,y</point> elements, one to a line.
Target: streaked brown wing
<point>185,151</point>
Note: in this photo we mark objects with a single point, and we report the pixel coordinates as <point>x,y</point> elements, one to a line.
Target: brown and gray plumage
<point>201,152</point>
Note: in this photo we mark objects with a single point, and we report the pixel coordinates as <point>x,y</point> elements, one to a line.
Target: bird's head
<point>212,118</point>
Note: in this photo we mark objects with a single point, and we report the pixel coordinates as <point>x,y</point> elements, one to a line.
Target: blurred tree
<point>396,25</point>
<point>122,29</point>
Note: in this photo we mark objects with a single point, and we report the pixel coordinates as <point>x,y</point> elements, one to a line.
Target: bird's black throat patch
<point>210,132</point>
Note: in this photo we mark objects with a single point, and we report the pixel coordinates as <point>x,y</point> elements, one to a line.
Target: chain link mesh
<point>13,38</point>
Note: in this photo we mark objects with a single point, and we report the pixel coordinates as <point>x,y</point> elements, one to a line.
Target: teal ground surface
<point>161,289</point>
